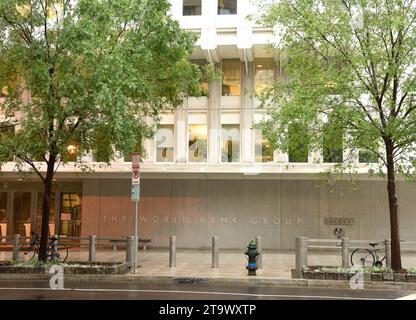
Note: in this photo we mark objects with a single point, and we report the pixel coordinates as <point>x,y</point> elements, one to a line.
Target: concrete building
<point>208,171</point>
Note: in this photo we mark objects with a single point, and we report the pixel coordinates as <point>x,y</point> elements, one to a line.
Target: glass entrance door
<point>71,214</point>
<point>21,213</point>
<point>3,215</point>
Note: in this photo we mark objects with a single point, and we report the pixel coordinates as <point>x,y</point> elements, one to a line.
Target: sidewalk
<point>197,263</point>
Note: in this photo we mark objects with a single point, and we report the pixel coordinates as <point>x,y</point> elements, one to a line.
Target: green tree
<point>350,69</point>
<point>86,73</point>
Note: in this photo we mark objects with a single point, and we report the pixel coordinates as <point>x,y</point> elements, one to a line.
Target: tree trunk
<point>46,205</point>
<point>396,261</point>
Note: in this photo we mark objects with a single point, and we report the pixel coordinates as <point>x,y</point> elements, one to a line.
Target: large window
<point>332,144</point>
<point>51,214</point>
<point>230,135</point>
<point>203,83</point>
<point>264,74</point>
<point>227,7</point>
<point>367,156</point>
<point>197,137</point>
<point>231,80</point>
<point>71,214</point>
<point>21,213</point>
<point>298,143</point>
<point>191,7</point>
<point>165,143</point>
<point>263,150</point>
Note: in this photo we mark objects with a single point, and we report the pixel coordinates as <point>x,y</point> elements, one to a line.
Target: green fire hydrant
<point>252,255</point>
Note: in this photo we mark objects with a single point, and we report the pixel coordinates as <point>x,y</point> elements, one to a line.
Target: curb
<point>266,282</point>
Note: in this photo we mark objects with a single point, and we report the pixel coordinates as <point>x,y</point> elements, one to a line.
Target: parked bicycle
<point>367,257</point>
<point>58,252</point>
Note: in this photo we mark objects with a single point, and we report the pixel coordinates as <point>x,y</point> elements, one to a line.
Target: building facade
<point>209,171</point>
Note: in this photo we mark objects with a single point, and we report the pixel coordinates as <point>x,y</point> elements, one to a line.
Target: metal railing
<point>345,245</point>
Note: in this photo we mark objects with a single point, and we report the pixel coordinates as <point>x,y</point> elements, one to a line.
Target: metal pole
<point>345,243</point>
<point>215,252</point>
<point>136,238</point>
<point>301,254</point>
<point>16,247</point>
<point>387,248</point>
<point>172,252</point>
<point>92,245</point>
<point>260,251</point>
<point>130,250</point>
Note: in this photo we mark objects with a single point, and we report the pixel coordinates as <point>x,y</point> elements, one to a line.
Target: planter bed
<point>69,268</point>
<point>371,274</point>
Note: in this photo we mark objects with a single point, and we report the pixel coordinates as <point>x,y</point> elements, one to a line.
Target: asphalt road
<point>40,290</point>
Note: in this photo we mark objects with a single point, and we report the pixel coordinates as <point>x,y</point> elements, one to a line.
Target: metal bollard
<point>301,254</point>
<point>387,248</point>
<point>215,252</point>
<point>92,246</point>
<point>130,251</point>
<point>345,243</point>
<point>260,251</point>
<point>54,247</point>
<point>16,247</point>
<point>172,252</point>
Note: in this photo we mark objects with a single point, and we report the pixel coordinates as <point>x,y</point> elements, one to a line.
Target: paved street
<point>39,290</point>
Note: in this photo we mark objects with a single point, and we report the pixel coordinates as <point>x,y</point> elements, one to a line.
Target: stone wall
<point>237,210</point>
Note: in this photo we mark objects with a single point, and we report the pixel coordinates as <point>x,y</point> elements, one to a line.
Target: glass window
<point>263,150</point>
<point>197,145</point>
<point>3,215</point>
<point>191,7</point>
<point>231,77</point>
<point>21,213</point>
<point>71,214</point>
<point>332,144</point>
<point>165,143</point>
<point>298,144</point>
<point>51,214</point>
<point>264,74</point>
<point>203,83</point>
<point>367,156</point>
<point>230,135</point>
<point>227,7</point>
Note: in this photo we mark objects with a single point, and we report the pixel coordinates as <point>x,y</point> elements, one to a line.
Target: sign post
<point>135,196</point>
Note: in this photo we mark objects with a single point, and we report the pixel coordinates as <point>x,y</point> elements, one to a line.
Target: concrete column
<point>301,254</point>
<point>92,247</point>
<point>172,252</point>
<point>181,133</point>
<point>387,248</point>
<point>16,247</point>
<point>247,113</point>
<point>259,245</point>
<point>345,252</point>
<point>214,120</point>
<point>215,252</point>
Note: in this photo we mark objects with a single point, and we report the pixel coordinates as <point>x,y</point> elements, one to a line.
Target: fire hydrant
<point>252,255</point>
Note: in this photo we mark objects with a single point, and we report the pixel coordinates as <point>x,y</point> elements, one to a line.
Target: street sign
<point>135,169</point>
<point>135,192</point>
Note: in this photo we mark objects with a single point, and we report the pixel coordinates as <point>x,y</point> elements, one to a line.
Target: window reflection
<point>3,215</point>
<point>263,150</point>
<point>264,74</point>
<point>71,214</point>
<point>332,144</point>
<point>191,7</point>
<point>51,214</point>
<point>227,7</point>
<point>203,83</point>
<point>230,135</point>
<point>197,151</point>
<point>298,143</point>
<point>165,143</point>
<point>231,77</point>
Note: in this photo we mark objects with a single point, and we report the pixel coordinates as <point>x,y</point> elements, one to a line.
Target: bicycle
<point>367,257</point>
<point>60,252</point>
